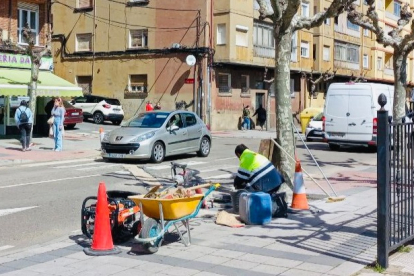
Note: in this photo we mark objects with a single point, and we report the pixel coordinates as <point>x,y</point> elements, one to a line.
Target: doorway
<point>260,100</point>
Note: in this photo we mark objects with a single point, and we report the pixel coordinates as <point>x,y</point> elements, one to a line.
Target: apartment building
<point>135,50</point>
<point>15,65</point>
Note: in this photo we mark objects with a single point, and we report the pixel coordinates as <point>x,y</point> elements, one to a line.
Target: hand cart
<point>164,213</point>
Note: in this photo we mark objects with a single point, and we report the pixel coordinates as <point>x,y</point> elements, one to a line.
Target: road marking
<point>222,159</point>
<point>162,167</point>
<point>49,181</point>
<point>5,247</point>
<point>221,176</point>
<point>218,169</point>
<point>99,167</point>
<point>79,165</point>
<point>6,212</point>
<point>57,162</point>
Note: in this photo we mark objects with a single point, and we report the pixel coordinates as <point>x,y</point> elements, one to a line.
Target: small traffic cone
<point>102,243</point>
<point>299,200</point>
<point>101,134</point>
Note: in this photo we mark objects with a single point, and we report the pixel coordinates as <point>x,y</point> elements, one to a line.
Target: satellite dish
<point>190,60</point>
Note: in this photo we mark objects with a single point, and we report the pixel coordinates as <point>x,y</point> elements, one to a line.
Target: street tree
<point>324,77</point>
<point>35,54</point>
<point>286,19</point>
<point>402,44</point>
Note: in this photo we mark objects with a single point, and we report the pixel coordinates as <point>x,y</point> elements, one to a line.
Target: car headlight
<point>105,138</point>
<point>143,137</point>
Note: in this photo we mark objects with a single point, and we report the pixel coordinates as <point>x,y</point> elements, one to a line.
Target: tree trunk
<point>32,92</point>
<point>400,77</point>
<point>284,129</point>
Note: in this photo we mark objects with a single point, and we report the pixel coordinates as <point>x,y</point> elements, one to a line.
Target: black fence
<point>395,178</point>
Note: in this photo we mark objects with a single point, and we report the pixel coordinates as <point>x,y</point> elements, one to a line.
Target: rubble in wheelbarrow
<point>173,193</point>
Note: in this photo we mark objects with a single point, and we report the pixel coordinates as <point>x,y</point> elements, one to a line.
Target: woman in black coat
<point>261,116</point>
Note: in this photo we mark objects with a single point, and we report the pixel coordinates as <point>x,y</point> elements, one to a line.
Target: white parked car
<point>314,128</point>
<point>100,109</point>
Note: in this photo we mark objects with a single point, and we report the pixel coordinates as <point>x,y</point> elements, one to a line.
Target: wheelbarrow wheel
<point>151,228</point>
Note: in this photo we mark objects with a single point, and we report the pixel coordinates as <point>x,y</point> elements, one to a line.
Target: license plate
<point>117,109</point>
<point>116,155</point>
<point>336,134</point>
<point>75,114</point>
<point>317,132</point>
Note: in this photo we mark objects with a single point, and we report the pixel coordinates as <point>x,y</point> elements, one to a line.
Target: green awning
<point>15,82</point>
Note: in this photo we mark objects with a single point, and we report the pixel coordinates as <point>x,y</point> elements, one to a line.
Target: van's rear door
<point>336,121</point>
<point>360,115</point>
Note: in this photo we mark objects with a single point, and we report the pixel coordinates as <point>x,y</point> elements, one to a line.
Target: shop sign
<point>23,61</point>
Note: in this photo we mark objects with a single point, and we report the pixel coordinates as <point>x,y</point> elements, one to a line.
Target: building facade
<point>134,50</point>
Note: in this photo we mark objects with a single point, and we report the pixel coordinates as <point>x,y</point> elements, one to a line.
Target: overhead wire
<point>155,8</point>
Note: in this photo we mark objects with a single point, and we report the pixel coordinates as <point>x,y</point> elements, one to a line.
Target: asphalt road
<point>51,194</point>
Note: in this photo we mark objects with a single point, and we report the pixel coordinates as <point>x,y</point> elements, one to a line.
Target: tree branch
<point>269,80</point>
<point>266,12</point>
<point>336,8</point>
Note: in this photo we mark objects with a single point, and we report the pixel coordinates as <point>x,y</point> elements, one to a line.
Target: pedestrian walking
<point>246,118</point>
<point>261,116</point>
<point>149,106</point>
<point>58,113</point>
<point>24,120</point>
<point>157,106</point>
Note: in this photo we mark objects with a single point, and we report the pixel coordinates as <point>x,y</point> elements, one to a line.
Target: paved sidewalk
<point>75,146</point>
<point>332,239</point>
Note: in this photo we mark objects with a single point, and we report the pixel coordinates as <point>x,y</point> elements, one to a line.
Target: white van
<point>350,113</point>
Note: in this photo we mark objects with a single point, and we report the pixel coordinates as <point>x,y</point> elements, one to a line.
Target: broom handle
<point>302,168</point>
<point>199,186</point>
<point>316,162</point>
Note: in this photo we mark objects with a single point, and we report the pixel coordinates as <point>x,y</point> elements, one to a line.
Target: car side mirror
<point>173,128</point>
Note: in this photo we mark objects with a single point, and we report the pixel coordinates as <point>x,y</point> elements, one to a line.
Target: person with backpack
<point>24,120</point>
<point>246,118</point>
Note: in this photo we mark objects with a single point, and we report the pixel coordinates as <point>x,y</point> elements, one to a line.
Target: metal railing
<point>395,184</point>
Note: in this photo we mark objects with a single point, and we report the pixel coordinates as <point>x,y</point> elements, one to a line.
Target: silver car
<point>157,134</point>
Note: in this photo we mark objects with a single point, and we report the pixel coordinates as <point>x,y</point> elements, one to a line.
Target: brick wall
<point>10,24</point>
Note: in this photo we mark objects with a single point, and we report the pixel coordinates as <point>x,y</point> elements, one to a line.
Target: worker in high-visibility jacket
<point>256,172</point>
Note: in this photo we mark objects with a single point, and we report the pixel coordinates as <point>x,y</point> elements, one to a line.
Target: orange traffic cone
<point>102,243</point>
<point>299,200</point>
<point>101,134</point>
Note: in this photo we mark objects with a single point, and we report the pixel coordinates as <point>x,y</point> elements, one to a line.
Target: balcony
<point>392,16</point>
<point>266,52</point>
<point>389,71</point>
<point>346,65</point>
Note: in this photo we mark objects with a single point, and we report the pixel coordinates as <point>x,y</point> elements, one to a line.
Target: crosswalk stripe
<point>5,247</point>
<point>162,167</point>
<point>221,176</point>
<point>96,168</point>
<point>217,169</point>
<point>57,162</point>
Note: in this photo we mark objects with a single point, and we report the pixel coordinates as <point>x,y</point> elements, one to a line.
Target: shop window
<point>84,42</point>
<point>138,39</point>
<point>28,14</point>
<point>85,82</point>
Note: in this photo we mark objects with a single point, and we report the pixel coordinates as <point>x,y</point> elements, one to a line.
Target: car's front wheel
<point>205,146</point>
<point>158,152</point>
<point>98,117</point>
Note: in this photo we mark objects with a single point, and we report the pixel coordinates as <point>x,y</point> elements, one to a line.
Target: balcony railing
<point>260,51</point>
<point>346,65</point>
<point>391,16</point>
<point>389,71</point>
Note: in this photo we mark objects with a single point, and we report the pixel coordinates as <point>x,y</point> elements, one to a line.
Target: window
<point>190,119</point>
<point>314,51</point>
<point>346,52</point>
<point>388,64</point>
<point>397,8</point>
<point>86,83</point>
<point>221,34</point>
<point>379,63</point>
<point>304,49</point>
<point>366,32</point>
<point>326,53</point>
<point>365,61</point>
<point>245,83</point>
<point>327,21</point>
<point>294,50</point>
<point>336,20</point>
<point>305,9</point>
<point>242,38</point>
<point>138,39</point>
<point>84,42</point>
<point>138,83</point>
<point>224,82</point>
<point>352,26</point>
<point>84,4</point>
<point>263,35</point>
<point>28,13</point>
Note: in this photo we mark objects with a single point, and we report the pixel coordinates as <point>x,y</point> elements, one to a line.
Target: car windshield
<point>148,120</point>
<point>112,101</point>
<point>318,117</point>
